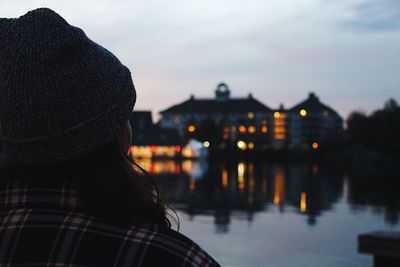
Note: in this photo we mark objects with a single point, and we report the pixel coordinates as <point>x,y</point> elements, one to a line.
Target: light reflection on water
<point>266,214</point>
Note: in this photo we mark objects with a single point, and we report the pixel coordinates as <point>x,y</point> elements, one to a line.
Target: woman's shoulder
<point>183,248</point>
<point>152,245</point>
<point>83,240</point>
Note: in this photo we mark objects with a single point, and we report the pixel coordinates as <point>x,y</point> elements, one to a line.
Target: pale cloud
<point>374,16</point>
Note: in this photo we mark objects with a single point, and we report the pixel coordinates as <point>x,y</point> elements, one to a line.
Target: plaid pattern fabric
<point>43,225</point>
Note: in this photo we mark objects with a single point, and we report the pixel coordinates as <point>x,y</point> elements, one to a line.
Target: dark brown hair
<point>110,186</point>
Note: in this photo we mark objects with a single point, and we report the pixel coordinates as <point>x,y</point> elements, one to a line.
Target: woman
<point>68,194</point>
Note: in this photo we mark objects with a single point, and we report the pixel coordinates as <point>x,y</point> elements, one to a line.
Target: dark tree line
<point>379,131</point>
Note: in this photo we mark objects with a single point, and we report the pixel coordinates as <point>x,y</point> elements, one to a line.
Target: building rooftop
<point>222,103</point>
<point>312,104</point>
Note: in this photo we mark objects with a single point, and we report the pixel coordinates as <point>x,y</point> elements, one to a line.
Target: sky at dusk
<point>347,52</point>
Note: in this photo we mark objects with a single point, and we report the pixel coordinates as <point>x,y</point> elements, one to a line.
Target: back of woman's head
<point>61,94</point>
<point>63,102</point>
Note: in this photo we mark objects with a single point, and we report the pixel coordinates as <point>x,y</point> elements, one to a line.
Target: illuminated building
<point>311,122</point>
<point>222,121</point>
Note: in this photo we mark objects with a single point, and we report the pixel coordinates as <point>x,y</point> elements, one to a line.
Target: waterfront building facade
<point>312,123</point>
<point>224,123</point>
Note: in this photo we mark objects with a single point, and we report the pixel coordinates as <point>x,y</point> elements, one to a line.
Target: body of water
<point>269,214</point>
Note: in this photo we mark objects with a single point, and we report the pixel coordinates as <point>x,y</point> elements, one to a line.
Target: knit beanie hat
<point>61,94</point>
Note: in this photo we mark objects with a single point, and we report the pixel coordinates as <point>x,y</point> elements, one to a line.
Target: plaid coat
<point>42,226</point>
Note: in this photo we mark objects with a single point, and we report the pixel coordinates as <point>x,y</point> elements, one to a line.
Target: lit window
<point>250,145</point>
<point>242,129</point>
<point>191,128</point>
<point>280,126</point>
<point>264,129</point>
<point>250,115</point>
<point>241,145</point>
<point>206,144</point>
<point>277,114</point>
<point>252,129</point>
<point>279,136</point>
<point>303,112</point>
<point>325,113</point>
<point>315,145</point>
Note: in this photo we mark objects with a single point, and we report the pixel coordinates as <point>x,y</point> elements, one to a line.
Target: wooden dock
<point>383,245</point>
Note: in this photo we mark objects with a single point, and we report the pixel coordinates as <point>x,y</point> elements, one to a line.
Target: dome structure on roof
<point>222,92</point>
